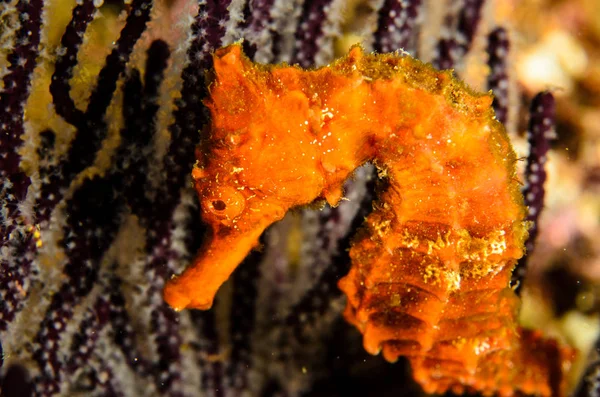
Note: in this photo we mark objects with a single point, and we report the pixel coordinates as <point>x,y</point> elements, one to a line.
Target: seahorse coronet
<point>431,269</point>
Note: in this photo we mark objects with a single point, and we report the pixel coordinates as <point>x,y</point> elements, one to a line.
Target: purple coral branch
<point>242,318</point>
<point>123,334</point>
<point>90,328</point>
<point>12,101</point>
<point>497,50</point>
<point>208,31</point>
<point>66,60</point>
<point>16,226</point>
<point>165,325</point>
<point>191,115</point>
<point>457,42</point>
<point>137,139</point>
<point>164,322</point>
<point>15,270</point>
<point>310,29</point>
<point>257,27</point>
<point>317,300</point>
<point>468,21</point>
<point>209,350</point>
<point>397,22</point>
<point>95,213</point>
<point>539,134</point>
<point>138,17</point>
<point>14,275</point>
<point>90,125</point>
<point>140,108</point>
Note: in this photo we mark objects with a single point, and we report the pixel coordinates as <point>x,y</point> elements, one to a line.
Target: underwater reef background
<point>100,113</point>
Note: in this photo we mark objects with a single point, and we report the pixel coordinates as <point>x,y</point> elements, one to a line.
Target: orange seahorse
<point>431,266</point>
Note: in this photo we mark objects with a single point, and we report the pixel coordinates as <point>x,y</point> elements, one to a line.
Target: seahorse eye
<point>224,204</point>
<point>218,205</point>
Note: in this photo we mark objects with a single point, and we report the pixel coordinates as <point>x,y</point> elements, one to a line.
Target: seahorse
<point>432,264</point>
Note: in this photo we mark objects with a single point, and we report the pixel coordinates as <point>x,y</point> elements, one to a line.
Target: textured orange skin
<point>431,267</point>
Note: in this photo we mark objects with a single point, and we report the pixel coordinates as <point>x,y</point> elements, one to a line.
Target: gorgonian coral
<point>101,111</point>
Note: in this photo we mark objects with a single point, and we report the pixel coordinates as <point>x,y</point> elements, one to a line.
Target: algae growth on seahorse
<point>431,266</point>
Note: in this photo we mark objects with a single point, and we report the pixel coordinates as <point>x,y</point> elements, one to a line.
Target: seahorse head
<point>257,160</point>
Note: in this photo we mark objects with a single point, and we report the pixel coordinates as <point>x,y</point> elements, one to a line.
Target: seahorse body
<point>431,267</point>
